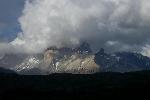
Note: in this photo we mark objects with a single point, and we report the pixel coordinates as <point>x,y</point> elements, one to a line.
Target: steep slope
<point>78,60</point>
<point>122,61</point>
<point>30,65</point>
<point>11,60</point>
<point>68,60</point>
<point>78,64</point>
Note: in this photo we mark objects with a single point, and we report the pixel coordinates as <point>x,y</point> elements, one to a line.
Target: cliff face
<point>63,60</point>
<point>77,64</point>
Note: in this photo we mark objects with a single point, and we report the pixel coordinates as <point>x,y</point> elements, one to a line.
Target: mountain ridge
<point>102,84</point>
<point>79,60</point>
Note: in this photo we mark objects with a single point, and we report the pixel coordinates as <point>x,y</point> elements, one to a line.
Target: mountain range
<point>79,60</point>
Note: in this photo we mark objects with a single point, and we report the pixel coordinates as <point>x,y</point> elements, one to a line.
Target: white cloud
<point>146,50</point>
<point>61,23</point>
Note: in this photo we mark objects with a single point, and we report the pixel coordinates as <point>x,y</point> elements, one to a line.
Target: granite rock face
<point>79,60</point>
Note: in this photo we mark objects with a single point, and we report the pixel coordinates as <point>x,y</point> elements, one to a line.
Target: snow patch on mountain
<point>28,63</point>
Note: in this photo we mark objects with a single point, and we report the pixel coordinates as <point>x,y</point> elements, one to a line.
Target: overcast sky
<point>10,10</point>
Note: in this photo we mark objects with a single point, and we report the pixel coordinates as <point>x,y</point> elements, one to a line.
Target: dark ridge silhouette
<point>101,85</point>
<point>6,71</point>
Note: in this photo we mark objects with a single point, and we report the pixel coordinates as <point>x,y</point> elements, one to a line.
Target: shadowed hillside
<point>6,71</point>
<point>133,84</point>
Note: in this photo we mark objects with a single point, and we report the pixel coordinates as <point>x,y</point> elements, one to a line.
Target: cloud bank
<point>116,25</point>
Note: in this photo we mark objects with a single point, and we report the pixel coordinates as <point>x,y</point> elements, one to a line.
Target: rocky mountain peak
<point>102,51</point>
<point>79,60</point>
<point>70,60</point>
<point>84,47</point>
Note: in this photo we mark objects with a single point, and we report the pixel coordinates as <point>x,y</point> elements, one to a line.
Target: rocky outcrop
<point>67,60</point>
<point>77,64</point>
<point>79,60</point>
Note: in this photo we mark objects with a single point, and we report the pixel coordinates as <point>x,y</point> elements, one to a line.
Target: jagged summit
<point>101,51</point>
<point>78,60</point>
<point>70,60</point>
<point>82,48</point>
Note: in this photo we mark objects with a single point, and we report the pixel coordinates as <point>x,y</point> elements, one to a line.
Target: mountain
<point>79,60</point>
<point>6,71</point>
<point>11,60</point>
<point>122,61</point>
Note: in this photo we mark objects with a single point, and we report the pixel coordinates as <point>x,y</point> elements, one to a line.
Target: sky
<point>10,10</point>
<point>33,25</point>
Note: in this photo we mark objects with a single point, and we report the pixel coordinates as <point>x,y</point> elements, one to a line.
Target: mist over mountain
<point>78,60</point>
<point>74,48</point>
<point>122,61</point>
<point>64,36</point>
